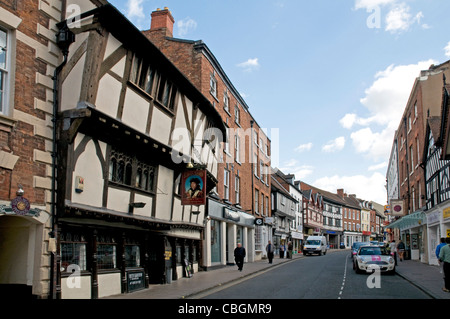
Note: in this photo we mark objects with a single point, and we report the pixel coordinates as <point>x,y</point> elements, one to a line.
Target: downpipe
<point>64,38</point>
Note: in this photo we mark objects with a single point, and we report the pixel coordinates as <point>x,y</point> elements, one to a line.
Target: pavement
<point>426,277</point>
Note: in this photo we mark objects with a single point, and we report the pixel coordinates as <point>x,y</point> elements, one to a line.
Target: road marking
<point>343,280</point>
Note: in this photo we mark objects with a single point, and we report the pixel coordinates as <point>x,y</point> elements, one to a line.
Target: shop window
<point>179,254</point>
<point>106,253</point>
<point>73,252</point>
<point>132,256</point>
<point>216,247</point>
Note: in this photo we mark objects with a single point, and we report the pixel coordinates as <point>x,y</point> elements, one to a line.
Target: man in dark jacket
<point>239,255</point>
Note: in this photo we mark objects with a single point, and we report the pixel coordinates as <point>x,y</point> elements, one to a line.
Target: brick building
<point>351,218</point>
<point>28,59</point>
<point>244,185</point>
<point>425,101</point>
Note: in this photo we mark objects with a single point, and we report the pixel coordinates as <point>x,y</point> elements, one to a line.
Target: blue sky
<point>332,76</point>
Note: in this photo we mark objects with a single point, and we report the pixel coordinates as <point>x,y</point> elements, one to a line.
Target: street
<point>319,277</point>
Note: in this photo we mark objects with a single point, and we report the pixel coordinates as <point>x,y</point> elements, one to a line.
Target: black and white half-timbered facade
<point>129,124</point>
<point>437,178</point>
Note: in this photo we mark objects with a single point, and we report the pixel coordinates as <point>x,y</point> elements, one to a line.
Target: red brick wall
<point>21,140</point>
<point>198,70</point>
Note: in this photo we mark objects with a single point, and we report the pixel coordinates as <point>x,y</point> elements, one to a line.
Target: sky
<point>329,80</point>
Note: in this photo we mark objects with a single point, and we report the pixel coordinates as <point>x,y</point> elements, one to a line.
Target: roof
<point>116,23</point>
<point>335,198</point>
<point>275,185</point>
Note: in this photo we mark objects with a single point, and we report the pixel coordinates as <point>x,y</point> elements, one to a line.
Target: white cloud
<point>249,65</point>
<point>350,119</point>
<point>385,100</point>
<point>378,166</point>
<point>304,147</point>
<point>300,171</point>
<point>369,4</point>
<point>369,188</point>
<point>447,50</point>
<point>335,145</point>
<point>185,26</point>
<point>400,19</point>
<point>135,9</point>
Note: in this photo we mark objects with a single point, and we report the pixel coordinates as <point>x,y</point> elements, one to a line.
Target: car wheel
<point>357,270</point>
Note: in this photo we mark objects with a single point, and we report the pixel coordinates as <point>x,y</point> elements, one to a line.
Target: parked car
<point>315,245</point>
<point>370,258</point>
<point>356,246</point>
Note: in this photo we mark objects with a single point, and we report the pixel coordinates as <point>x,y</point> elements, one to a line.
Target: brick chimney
<point>340,193</point>
<point>162,20</point>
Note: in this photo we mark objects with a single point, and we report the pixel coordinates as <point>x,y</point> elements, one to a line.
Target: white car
<point>371,258</point>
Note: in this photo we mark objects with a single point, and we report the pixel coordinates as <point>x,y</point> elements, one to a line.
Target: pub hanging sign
<point>193,187</point>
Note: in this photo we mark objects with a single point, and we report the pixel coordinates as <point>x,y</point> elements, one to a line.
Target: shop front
<point>413,230</point>
<point>438,226</point>
<point>225,227</point>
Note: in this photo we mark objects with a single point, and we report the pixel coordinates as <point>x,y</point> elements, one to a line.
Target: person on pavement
<point>438,250</point>
<point>401,249</point>
<point>239,255</point>
<point>393,249</point>
<point>444,256</point>
<point>269,250</point>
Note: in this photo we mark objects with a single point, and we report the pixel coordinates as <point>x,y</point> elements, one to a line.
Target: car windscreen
<point>313,242</point>
<point>357,245</point>
<point>365,251</point>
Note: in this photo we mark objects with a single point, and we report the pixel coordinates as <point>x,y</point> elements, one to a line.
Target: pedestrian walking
<point>401,249</point>
<point>282,249</point>
<point>239,255</point>
<point>438,250</point>
<point>444,257</point>
<point>393,248</point>
<point>269,250</point>
<point>290,250</point>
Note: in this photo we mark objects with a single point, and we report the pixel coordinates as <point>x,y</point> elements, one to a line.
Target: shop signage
<point>433,217</point>
<point>19,206</point>
<point>259,221</point>
<point>135,280</point>
<point>397,207</point>
<point>446,213</point>
<point>230,214</point>
<point>366,233</point>
<point>193,184</point>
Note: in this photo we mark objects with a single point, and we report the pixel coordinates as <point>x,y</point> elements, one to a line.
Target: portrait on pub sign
<point>193,187</point>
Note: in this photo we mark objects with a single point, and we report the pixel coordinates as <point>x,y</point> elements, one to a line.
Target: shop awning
<point>412,220</point>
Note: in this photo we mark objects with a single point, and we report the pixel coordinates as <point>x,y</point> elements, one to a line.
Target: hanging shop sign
<point>397,207</point>
<point>193,183</point>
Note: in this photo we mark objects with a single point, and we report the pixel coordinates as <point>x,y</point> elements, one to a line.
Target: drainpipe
<point>64,38</point>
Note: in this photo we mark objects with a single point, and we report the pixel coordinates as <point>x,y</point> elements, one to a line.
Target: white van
<point>315,245</point>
